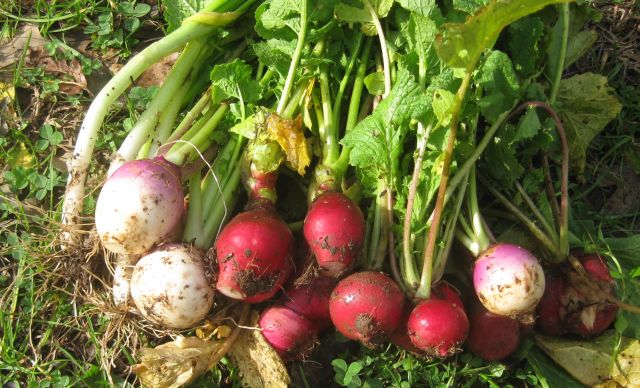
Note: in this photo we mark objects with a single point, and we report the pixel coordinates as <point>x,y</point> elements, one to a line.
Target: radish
<point>254,255</point>
<point>140,206</point>
<point>438,327</point>
<point>292,335</point>
<point>367,306</point>
<point>334,228</point>
<point>508,280</point>
<point>312,300</point>
<point>552,307</point>
<point>170,286</point>
<point>492,337</point>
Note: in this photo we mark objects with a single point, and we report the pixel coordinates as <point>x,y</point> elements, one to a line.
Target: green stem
<point>536,212</point>
<point>330,148</point>
<point>383,48</point>
<point>481,236</point>
<point>337,103</point>
<point>353,115</point>
<point>288,84</point>
<point>294,102</point>
<point>556,254</point>
<point>200,141</point>
<point>222,212</point>
<point>193,227</point>
<point>564,15</point>
<point>424,290</point>
<point>190,117</point>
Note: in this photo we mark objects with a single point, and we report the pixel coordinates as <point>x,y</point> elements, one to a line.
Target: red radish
<point>400,337</point>
<point>446,291</point>
<point>492,337</point>
<point>292,335</point>
<point>508,280</point>
<point>254,256</point>
<point>589,313</point>
<point>438,327</point>
<point>140,206</point>
<point>367,306</point>
<point>551,309</point>
<point>312,300</point>
<point>334,228</point>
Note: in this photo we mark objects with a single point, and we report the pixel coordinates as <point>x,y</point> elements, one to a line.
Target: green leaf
<point>350,14</point>
<point>501,85</point>
<point>528,127</point>
<point>461,44</point>
<point>375,83</point>
<point>469,6</point>
<point>276,54</point>
<point>178,10</point>
<point>591,362</point>
<point>586,104</point>
<point>422,7</point>
<point>376,142</point>
<point>441,103</point>
<point>234,79</point>
<point>524,44</point>
<point>578,45</point>
<point>548,373</point>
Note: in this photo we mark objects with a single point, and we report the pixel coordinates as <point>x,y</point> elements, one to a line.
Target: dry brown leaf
<point>259,365</point>
<point>290,136</point>
<point>157,73</point>
<point>12,49</point>
<point>72,79</point>
<point>175,363</point>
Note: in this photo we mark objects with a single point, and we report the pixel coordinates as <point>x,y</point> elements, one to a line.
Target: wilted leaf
<point>586,105</point>
<point>258,364</point>
<point>176,363</point>
<point>290,136</point>
<point>591,363</point>
<point>461,44</point>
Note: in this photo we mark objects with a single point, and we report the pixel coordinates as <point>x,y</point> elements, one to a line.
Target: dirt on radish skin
<point>508,280</point>
<point>292,335</point>
<point>334,228</point>
<point>438,327</point>
<point>140,206</point>
<point>367,307</point>
<point>254,255</point>
<point>170,287</point>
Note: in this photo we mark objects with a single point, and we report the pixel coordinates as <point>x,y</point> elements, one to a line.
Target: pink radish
<point>508,280</point>
<point>140,206</point>
<point>292,335</point>
<point>367,306</point>
<point>438,327</point>
<point>254,256</point>
<point>334,228</point>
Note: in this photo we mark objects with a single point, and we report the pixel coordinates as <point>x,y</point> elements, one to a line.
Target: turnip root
<point>254,255</point>
<point>170,286</point>
<point>140,206</point>
<point>438,327</point>
<point>334,228</point>
<point>508,280</point>
<point>367,306</point>
<point>292,335</point>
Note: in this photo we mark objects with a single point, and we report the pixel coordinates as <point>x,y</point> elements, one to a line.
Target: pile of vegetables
<point>386,149</point>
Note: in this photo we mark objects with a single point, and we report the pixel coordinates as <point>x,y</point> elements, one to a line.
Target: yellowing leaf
<point>586,105</point>
<point>290,136</point>
<point>591,362</point>
<point>175,364</point>
<point>258,364</point>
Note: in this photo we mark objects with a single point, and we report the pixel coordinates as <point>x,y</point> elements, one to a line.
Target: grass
<point>56,326</point>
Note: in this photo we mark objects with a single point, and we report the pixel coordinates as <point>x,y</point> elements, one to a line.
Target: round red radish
<point>590,314</point>
<point>438,327</point>
<point>446,291</point>
<point>312,300</point>
<point>508,280</point>
<point>551,309</point>
<point>367,306</point>
<point>140,206</point>
<point>334,228</point>
<point>400,337</point>
<point>254,256</point>
<point>492,337</point>
<point>292,335</point>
